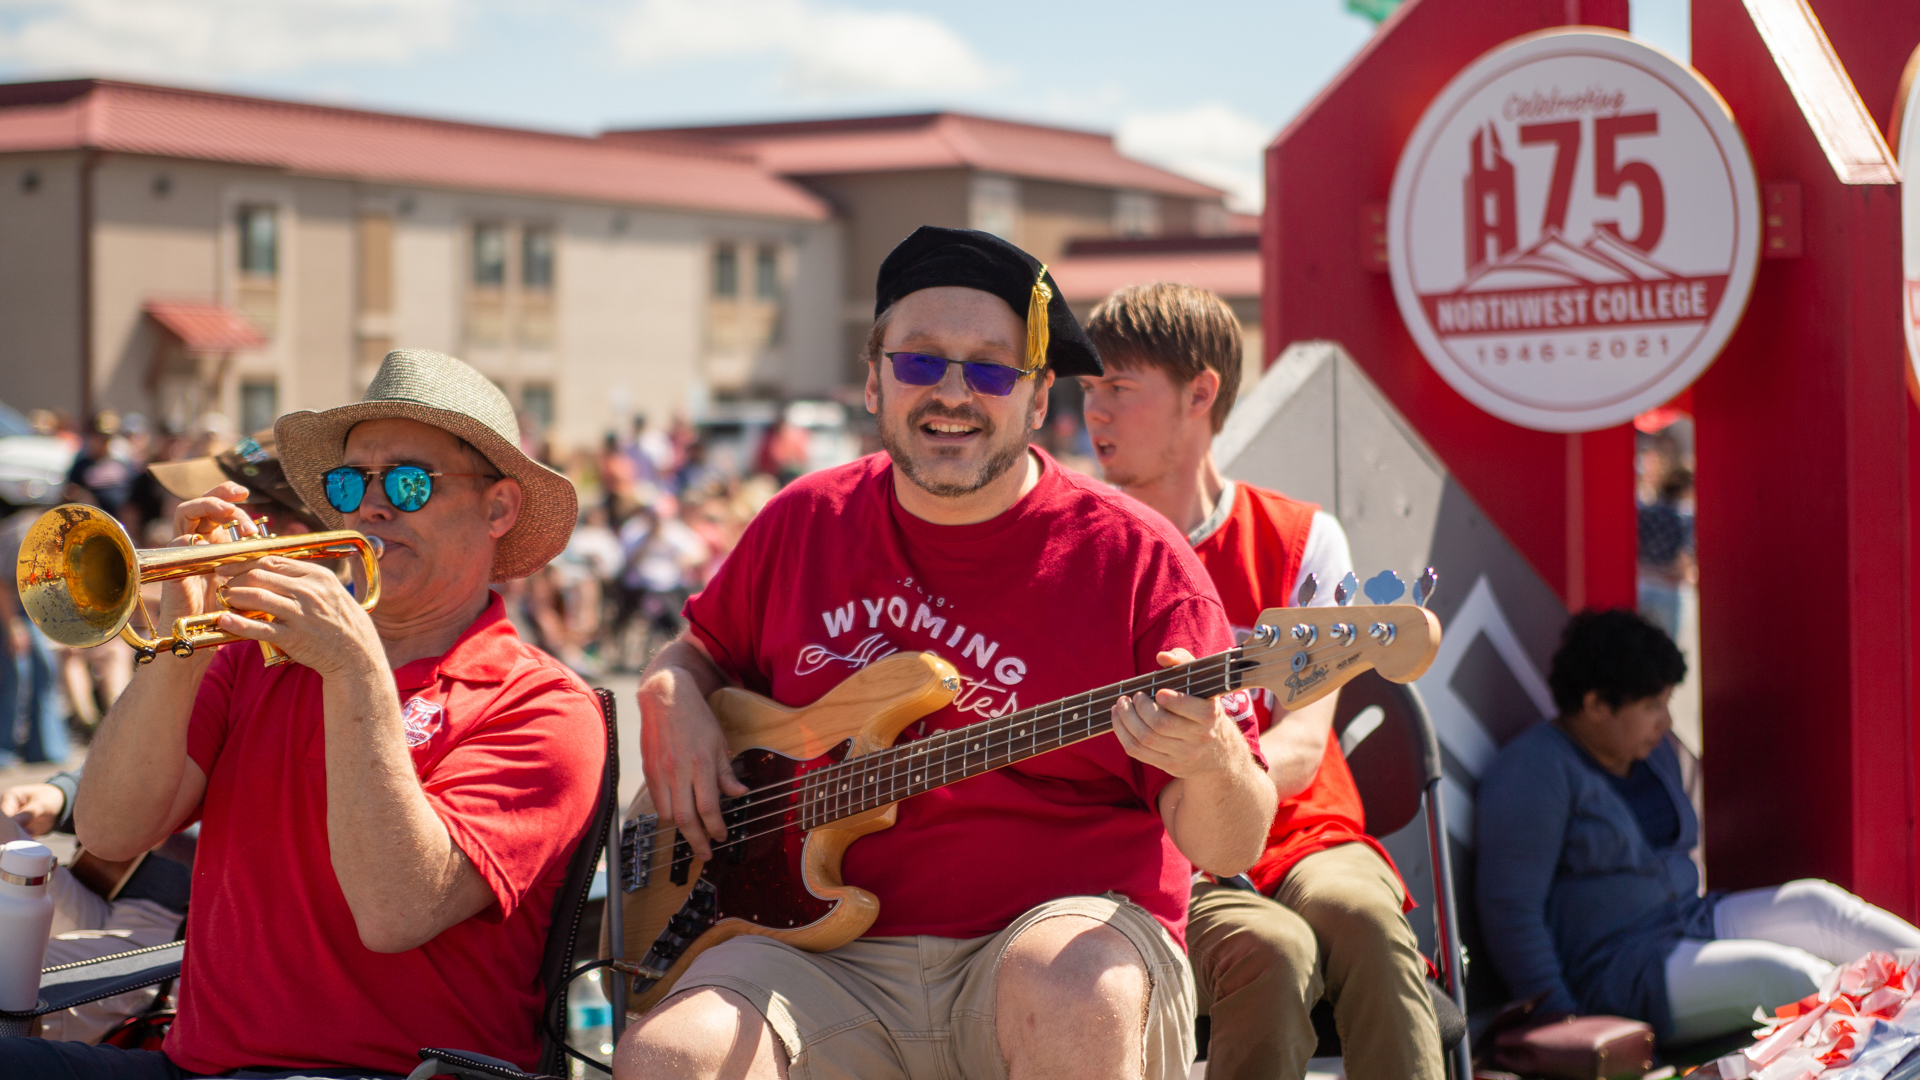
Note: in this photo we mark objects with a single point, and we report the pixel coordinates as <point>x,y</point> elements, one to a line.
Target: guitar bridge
<point>636,852</point>
<point>700,911</point>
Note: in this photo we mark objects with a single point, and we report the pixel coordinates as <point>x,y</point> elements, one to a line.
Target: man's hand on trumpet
<point>315,620</point>
<point>213,518</point>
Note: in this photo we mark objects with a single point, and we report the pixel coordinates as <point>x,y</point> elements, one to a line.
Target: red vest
<point>1253,559</point>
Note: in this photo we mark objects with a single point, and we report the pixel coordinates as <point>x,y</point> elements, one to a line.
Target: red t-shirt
<point>1253,559</point>
<point>1072,588</point>
<point>509,749</point>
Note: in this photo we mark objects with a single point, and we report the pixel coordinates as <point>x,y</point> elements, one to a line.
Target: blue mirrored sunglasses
<point>408,487</point>
<point>982,377</point>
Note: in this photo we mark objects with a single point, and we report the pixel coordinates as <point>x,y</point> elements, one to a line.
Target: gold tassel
<point>1037,330</point>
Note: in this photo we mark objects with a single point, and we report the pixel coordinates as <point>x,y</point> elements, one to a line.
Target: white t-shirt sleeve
<point>1327,558</point>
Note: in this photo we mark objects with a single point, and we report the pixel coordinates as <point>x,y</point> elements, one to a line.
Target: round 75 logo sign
<point>1573,230</point>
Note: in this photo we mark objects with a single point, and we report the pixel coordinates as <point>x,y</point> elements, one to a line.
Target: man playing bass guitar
<point>1031,918</point>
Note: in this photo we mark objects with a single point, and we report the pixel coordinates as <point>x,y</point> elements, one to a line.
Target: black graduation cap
<point>934,257</point>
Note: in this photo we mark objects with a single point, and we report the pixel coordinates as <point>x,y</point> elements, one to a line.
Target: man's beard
<point>998,461</point>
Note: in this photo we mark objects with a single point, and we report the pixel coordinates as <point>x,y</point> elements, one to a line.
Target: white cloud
<point>826,49</point>
<point>202,40</point>
<point>1211,143</point>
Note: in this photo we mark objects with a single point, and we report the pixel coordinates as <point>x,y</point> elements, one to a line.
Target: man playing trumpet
<point>384,821</point>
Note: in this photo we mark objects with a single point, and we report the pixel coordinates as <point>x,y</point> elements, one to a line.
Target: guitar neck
<point>887,776</point>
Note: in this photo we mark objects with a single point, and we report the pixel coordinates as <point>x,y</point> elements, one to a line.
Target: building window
<point>766,272</point>
<point>993,205</point>
<point>1136,213</point>
<point>376,263</point>
<point>259,241</point>
<point>726,271</point>
<point>489,256</point>
<point>536,400</point>
<point>536,258</point>
<point>259,404</point>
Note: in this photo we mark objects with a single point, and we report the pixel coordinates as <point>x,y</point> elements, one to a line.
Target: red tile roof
<point>942,140</point>
<point>206,326</point>
<point>1234,275</point>
<point>325,141</point>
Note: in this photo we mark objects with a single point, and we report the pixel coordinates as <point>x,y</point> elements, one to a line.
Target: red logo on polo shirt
<point>423,719</point>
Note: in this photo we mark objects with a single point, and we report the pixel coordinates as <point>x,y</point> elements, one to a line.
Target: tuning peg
<point>1384,588</point>
<point>1346,590</point>
<point>1309,585</point>
<point>1423,588</point>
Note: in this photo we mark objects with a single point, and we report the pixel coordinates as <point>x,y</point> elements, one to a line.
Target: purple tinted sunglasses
<point>982,377</point>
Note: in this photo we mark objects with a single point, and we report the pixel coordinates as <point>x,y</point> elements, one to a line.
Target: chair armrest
<point>78,983</point>
<point>469,1066</point>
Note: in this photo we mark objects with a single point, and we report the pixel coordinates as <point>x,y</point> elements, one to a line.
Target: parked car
<point>33,467</point>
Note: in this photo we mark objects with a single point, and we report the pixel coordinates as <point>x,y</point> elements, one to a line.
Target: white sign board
<point>1573,230</point>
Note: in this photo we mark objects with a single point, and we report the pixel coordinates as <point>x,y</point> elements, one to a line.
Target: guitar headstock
<point>1302,654</point>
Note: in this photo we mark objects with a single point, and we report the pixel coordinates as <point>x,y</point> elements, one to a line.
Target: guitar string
<point>1105,725</point>
<point>942,740</point>
<point>1096,723</point>
<point>945,738</point>
<point>870,764</point>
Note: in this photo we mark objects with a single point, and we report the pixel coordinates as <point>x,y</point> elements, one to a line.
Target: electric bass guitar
<point>823,776</point>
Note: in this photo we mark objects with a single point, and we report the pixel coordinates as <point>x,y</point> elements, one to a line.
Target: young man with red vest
<point>1335,925</point>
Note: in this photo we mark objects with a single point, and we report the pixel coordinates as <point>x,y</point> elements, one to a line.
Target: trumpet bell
<point>78,576</point>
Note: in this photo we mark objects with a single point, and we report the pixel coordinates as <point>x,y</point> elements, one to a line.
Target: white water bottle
<point>26,918</point>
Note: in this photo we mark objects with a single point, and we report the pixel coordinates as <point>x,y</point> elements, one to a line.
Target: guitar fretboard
<point>946,757</point>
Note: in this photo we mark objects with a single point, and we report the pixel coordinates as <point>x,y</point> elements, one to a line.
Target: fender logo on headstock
<point>1301,681</point>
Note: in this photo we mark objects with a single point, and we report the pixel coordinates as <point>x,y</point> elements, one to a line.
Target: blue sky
<point>1198,86</point>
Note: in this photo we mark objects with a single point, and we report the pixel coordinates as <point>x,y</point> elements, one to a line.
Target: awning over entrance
<point>204,326</point>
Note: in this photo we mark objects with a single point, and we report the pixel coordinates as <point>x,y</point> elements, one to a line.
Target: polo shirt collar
<point>485,652</point>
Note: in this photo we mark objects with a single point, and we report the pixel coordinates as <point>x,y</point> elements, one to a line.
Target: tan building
<point>1041,187</point>
<point>176,252</point>
<point>172,252</point>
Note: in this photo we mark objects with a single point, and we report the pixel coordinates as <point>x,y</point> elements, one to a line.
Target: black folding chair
<point>77,984</point>
<point>1394,756</point>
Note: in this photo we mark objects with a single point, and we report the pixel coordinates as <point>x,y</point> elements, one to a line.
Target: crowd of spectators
<point>657,517</point>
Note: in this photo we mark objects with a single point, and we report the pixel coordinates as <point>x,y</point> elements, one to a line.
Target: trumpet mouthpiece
<point>379,546</point>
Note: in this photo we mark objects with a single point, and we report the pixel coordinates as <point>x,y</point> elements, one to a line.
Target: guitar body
<point>781,884</point>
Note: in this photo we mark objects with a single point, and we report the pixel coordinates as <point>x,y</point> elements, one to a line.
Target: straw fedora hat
<point>435,389</point>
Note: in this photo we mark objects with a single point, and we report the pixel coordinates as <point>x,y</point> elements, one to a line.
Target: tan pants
<point>922,1008</point>
<point>1337,932</point>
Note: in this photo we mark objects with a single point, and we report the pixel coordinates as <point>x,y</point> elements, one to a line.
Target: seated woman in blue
<point>1586,890</point>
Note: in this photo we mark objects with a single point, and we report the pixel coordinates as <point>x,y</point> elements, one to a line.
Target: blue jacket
<point>1572,898</point>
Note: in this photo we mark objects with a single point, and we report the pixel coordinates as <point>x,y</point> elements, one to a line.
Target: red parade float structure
<point>1806,433</point>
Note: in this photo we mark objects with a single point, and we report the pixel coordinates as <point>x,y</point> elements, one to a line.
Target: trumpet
<point>80,579</point>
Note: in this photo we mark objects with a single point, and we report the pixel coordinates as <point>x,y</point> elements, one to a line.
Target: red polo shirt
<point>508,746</point>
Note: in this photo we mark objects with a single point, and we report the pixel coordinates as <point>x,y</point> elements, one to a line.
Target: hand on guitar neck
<point>1192,738</point>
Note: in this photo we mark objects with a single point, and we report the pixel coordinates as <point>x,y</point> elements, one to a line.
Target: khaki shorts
<point>922,1008</point>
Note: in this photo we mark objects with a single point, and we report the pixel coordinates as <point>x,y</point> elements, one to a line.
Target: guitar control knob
<point>1305,633</point>
<point>1382,632</point>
